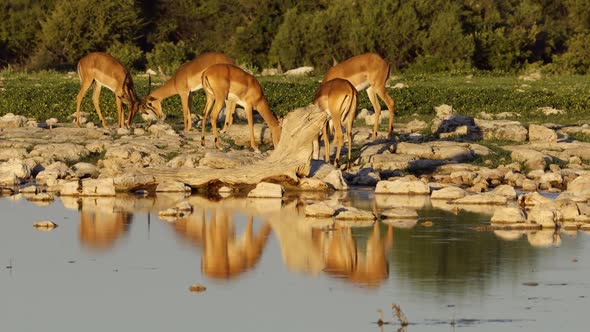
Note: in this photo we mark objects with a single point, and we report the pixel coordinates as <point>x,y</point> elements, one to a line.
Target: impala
<point>184,82</point>
<point>226,81</point>
<point>367,71</point>
<point>338,98</point>
<point>109,72</point>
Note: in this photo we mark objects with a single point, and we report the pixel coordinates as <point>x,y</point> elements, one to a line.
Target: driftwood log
<point>288,162</point>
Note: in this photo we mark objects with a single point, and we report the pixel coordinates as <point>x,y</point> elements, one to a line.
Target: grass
<point>52,94</point>
<point>498,157</point>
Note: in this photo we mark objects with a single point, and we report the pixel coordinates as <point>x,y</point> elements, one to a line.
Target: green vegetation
<point>51,94</point>
<point>413,35</point>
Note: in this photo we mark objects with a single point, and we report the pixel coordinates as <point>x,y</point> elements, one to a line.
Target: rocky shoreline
<point>39,161</point>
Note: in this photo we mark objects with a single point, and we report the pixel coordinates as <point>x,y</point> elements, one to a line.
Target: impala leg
<point>186,114</point>
<point>349,120</point>
<point>96,102</point>
<point>206,111</point>
<point>216,109</point>
<point>230,107</point>
<point>326,144</point>
<point>250,118</point>
<point>382,93</point>
<point>377,107</point>
<point>338,137</point>
<point>83,89</point>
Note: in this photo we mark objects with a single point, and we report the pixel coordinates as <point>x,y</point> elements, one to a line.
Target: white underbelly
<point>106,86</point>
<point>198,87</point>
<point>236,99</point>
<point>362,86</point>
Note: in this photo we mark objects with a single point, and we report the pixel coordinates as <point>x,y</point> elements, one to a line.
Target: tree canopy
<point>421,35</point>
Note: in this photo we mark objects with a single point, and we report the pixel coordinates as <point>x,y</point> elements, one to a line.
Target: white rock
<point>485,198</point>
<point>267,190</point>
<point>172,186</point>
<point>508,215</point>
<point>351,213</point>
<point>299,71</point>
<point>70,189</point>
<point>320,209</point>
<point>448,193</point>
<point>541,134</point>
<point>505,190</point>
<point>98,187</point>
<point>402,187</point>
<point>546,217</point>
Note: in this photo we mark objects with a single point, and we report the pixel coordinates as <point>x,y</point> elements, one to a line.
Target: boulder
<point>172,186</point>
<point>319,210</point>
<point>485,199</point>
<point>502,130</point>
<point>547,217</point>
<point>508,215</point>
<point>533,199</point>
<point>12,153</point>
<point>10,120</point>
<point>267,190</point>
<point>400,213</point>
<point>539,133</point>
<point>84,170</point>
<point>402,187</point>
<point>532,158</point>
<point>13,172</point>
<point>351,213</point>
<point>505,190</point>
<point>98,187</point>
<point>70,189</point>
<point>448,193</point>
<point>311,184</point>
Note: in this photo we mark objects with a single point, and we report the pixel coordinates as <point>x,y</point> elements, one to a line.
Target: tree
<point>75,28</point>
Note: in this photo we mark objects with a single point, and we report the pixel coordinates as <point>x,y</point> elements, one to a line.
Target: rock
<point>311,184</point>
<point>533,199</point>
<point>45,225</point>
<point>172,186</point>
<point>123,131</point>
<point>70,189</point>
<point>218,159</point>
<point>350,213</point>
<point>299,71</point>
<point>415,126</point>
<point>366,177</point>
<point>541,134</point>
<point>532,158</point>
<point>12,153</point>
<point>51,122</point>
<point>59,151</point>
<point>502,130</point>
<point>462,178</point>
<point>138,131</point>
<point>450,152</point>
<point>568,209</point>
<point>29,190</point>
<point>402,187</point>
<point>400,213</point>
<point>550,180</point>
<point>448,193</point>
<point>417,150</point>
<point>319,210</point>
<point>529,185</point>
<point>508,215</point>
<point>267,190</point>
<point>485,198</point>
<point>391,162</point>
<point>13,172</point>
<point>41,197</point>
<point>197,288</point>
<point>505,190</point>
<point>132,181</point>
<point>225,190</point>
<point>172,212</point>
<point>399,86</point>
<point>161,130</point>
<point>579,186</point>
<point>84,170</point>
<point>335,180</point>
<point>401,223</point>
<point>547,110</point>
<point>544,216</point>
<point>12,121</point>
<point>98,187</point>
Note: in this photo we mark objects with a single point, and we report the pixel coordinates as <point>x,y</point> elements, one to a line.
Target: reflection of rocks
<point>402,187</point>
<point>544,239</point>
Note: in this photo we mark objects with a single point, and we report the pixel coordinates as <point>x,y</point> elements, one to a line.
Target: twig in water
<point>400,315</point>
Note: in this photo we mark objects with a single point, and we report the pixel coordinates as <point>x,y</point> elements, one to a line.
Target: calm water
<point>112,264</point>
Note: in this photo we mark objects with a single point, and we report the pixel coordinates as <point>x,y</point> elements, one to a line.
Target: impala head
<point>152,107</point>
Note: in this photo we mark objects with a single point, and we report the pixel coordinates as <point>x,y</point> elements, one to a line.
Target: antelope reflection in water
<point>101,222</point>
<point>225,255</point>
<point>343,256</point>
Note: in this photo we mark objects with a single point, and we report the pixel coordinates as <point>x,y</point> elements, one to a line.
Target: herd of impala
<point>226,84</point>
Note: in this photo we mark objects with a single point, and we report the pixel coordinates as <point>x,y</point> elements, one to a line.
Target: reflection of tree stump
<point>289,161</point>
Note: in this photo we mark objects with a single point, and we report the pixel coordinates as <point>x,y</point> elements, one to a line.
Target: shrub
<point>130,55</point>
<point>166,57</point>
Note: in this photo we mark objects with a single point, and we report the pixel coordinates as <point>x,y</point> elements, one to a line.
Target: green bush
<point>166,57</point>
<point>130,55</point>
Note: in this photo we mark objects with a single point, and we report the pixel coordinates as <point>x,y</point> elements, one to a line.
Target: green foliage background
<point>415,35</point>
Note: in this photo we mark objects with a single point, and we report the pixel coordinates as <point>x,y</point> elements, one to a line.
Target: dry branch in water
<point>400,315</point>
<point>288,162</point>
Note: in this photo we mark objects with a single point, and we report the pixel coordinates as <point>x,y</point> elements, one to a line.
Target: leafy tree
<point>75,28</point>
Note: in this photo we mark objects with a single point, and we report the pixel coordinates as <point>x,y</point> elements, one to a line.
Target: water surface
<point>114,264</point>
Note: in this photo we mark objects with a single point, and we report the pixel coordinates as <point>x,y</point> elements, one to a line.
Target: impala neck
<point>268,116</point>
<point>165,91</point>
